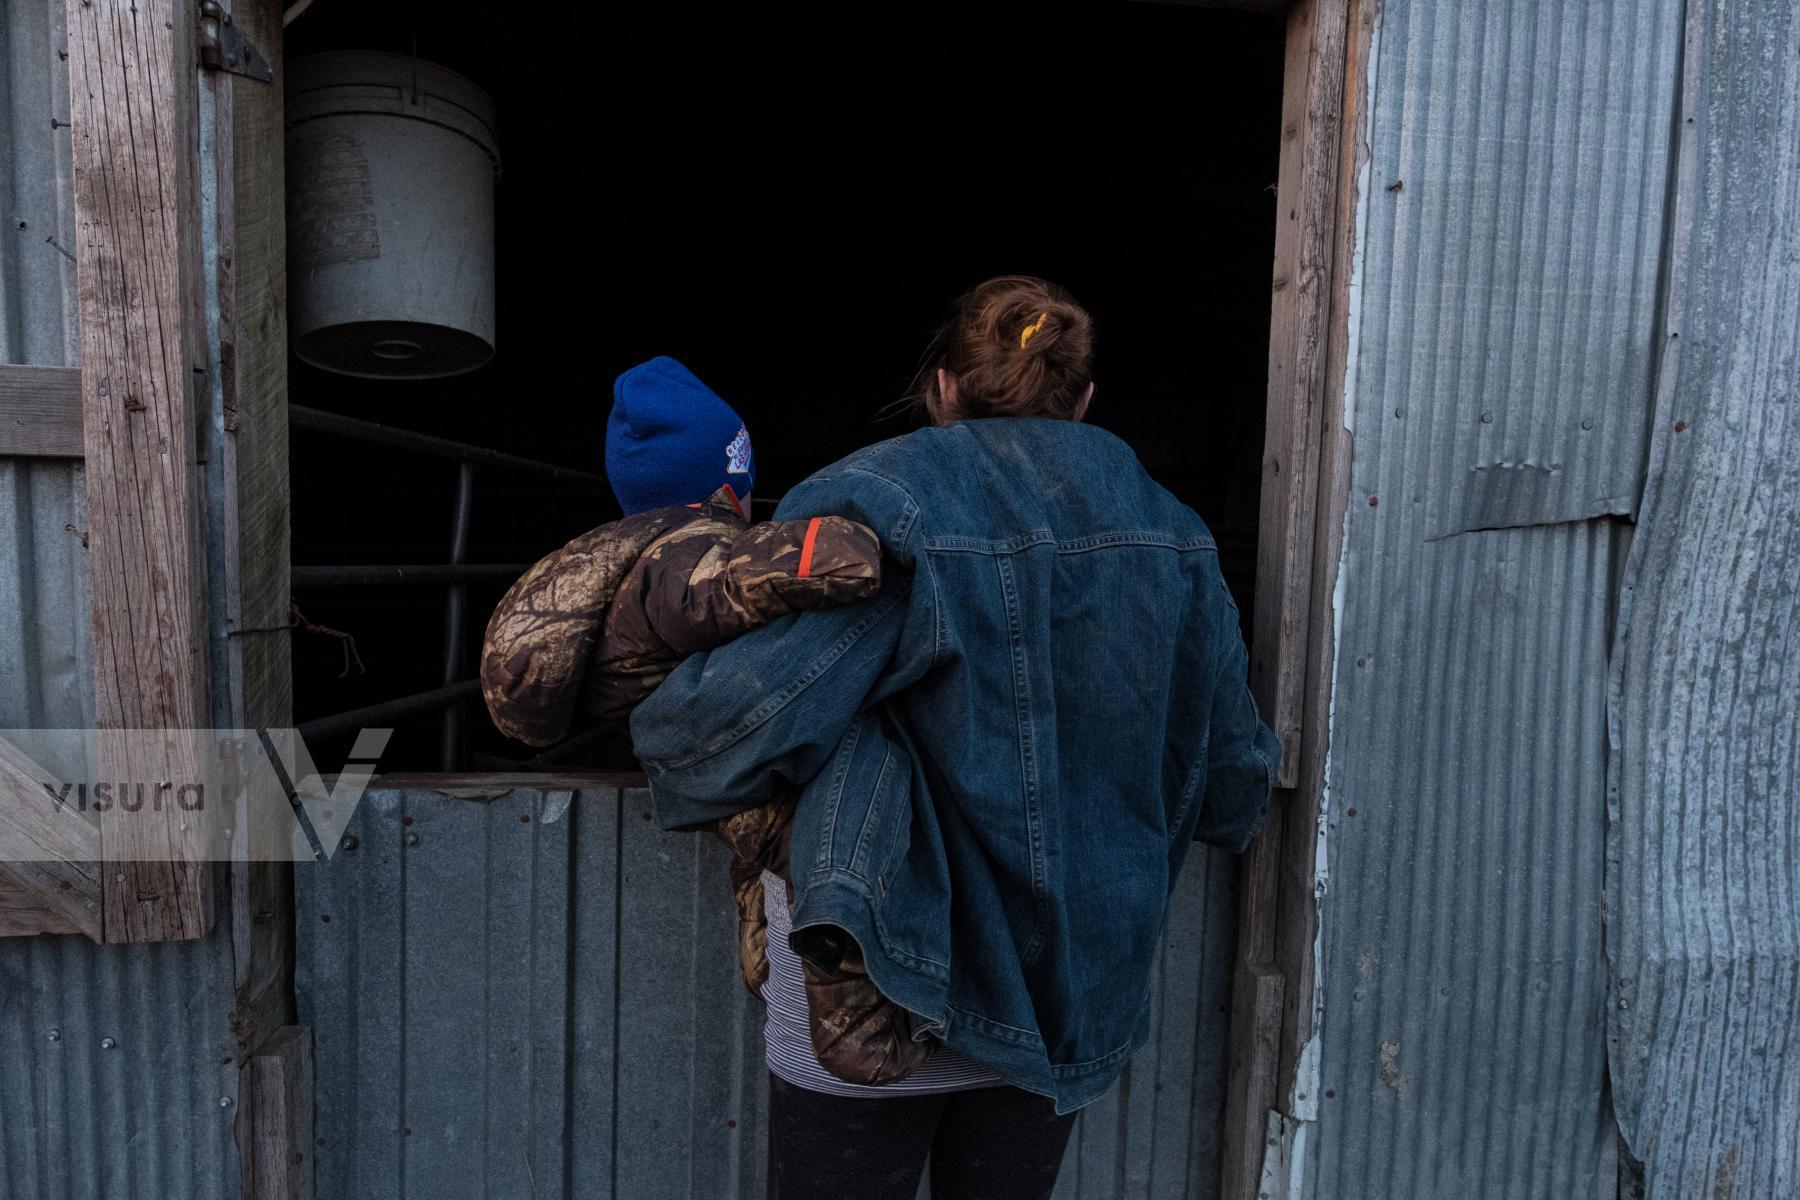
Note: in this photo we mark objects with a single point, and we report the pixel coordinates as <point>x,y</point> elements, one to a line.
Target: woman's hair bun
<point>1019,346</point>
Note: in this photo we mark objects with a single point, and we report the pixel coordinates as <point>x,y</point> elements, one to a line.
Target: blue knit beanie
<point>670,440</point>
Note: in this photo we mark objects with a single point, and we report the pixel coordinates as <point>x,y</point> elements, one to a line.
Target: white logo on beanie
<point>737,454</point>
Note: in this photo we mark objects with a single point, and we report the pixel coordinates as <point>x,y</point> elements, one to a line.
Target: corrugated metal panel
<point>535,994</point>
<point>1705,941</point>
<point>1156,1135</point>
<point>1514,218</point>
<point>146,1117</point>
<point>539,991</point>
<point>1503,310</point>
<point>150,1115</point>
<point>37,270</point>
<point>46,650</point>
<point>45,659</point>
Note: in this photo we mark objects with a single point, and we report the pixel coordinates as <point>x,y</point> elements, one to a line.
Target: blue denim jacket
<point>1006,754</point>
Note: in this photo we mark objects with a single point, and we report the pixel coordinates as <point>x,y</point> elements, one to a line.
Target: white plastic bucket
<point>391,164</point>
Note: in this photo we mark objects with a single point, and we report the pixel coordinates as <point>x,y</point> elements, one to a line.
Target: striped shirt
<point>787,1035</point>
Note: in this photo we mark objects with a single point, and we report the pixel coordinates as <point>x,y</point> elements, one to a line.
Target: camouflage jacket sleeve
<point>767,571</point>
<point>540,641</point>
<point>758,839</point>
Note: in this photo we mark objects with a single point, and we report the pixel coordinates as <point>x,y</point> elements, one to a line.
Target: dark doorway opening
<point>789,205</point>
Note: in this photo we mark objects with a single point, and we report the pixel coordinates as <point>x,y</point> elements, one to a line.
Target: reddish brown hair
<point>1018,346</point>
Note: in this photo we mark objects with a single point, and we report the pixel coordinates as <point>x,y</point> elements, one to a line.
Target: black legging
<point>996,1143</point>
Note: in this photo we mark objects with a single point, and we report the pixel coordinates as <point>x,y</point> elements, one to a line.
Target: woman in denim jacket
<point>1002,760</point>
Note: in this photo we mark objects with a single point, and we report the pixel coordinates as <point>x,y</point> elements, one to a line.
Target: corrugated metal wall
<point>1503,314</point>
<point>117,1075</point>
<point>45,678</point>
<point>1705,885</point>
<point>116,1069</point>
<point>536,994</point>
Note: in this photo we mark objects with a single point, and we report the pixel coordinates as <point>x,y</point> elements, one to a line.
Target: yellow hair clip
<point>1025,335</point>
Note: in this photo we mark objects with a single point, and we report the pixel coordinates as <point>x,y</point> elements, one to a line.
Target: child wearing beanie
<point>670,440</point>
<point>594,627</point>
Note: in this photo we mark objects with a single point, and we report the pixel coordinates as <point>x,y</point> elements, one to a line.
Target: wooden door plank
<point>54,850</point>
<point>23,912</point>
<point>131,87</point>
<point>276,1148</point>
<point>1269,988</point>
<point>1305,240</point>
<point>251,644</point>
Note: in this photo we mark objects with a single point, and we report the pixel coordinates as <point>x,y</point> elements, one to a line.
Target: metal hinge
<point>223,48</point>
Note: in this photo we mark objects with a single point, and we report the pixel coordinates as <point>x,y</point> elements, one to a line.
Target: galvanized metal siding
<point>1156,1135</point>
<point>537,994</point>
<point>37,272</point>
<point>46,639</point>
<point>1503,310</point>
<point>1705,881</point>
<point>117,1075</point>
<point>534,994</point>
<point>45,657</point>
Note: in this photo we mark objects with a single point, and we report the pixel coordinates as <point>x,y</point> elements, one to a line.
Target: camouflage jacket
<point>594,627</point>
<point>591,630</point>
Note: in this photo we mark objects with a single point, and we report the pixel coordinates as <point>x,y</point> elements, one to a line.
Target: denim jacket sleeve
<point>730,726</point>
<point>1242,752</point>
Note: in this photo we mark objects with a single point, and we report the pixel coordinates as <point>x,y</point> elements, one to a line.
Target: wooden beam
<point>1272,983</point>
<point>1297,916</point>
<point>40,412</point>
<point>23,912</point>
<point>1305,227</point>
<point>1256,992</point>
<point>250,475</point>
<point>58,847</point>
<point>131,90</point>
<point>253,370</point>
<point>275,1129</point>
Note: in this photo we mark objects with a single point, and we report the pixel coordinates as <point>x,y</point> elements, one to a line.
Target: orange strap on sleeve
<point>806,548</point>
